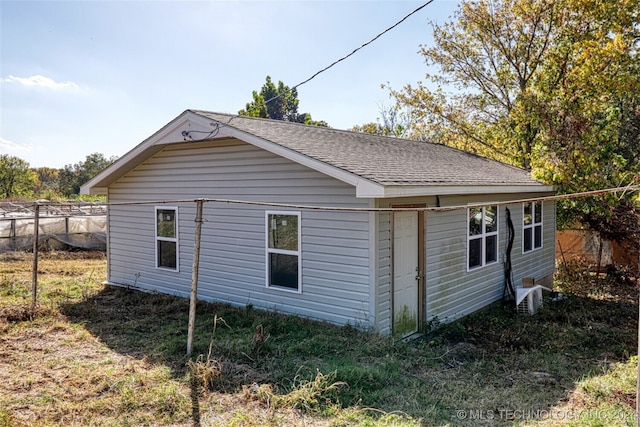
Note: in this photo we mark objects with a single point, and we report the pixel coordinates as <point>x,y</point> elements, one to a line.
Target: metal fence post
<point>34,273</point>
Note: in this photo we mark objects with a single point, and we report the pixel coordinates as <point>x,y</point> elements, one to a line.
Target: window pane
<point>526,234</point>
<point>491,254</point>
<point>167,254</point>
<point>527,214</point>
<point>283,270</point>
<point>166,223</point>
<point>283,232</point>
<point>491,219</point>
<point>475,221</point>
<point>538,213</point>
<point>538,236</point>
<point>475,253</point>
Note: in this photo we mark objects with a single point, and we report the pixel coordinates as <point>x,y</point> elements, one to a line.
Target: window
<point>482,244</point>
<point>531,226</point>
<point>283,250</point>
<point>167,238</point>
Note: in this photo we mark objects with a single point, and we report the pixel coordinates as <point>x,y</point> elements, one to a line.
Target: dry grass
<point>308,396</point>
<point>95,355</point>
<point>53,371</point>
<point>71,362</point>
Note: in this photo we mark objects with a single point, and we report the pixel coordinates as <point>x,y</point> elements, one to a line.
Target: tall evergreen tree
<point>279,103</point>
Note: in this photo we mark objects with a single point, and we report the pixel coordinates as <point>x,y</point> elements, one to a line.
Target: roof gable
<point>377,166</point>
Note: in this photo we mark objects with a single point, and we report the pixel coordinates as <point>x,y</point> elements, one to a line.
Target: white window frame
<point>535,206</point>
<point>269,251</point>
<point>482,236</point>
<point>175,239</point>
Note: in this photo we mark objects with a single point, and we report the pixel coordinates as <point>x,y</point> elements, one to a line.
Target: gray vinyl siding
<point>452,291</point>
<point>539,263</point>
<point>335,245</point>
<point>383,287</point>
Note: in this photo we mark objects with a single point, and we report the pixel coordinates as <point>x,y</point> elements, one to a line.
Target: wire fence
<point>60,225</point>
<point>84,225</point>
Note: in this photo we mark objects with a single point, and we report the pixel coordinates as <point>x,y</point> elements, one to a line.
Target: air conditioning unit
<point>531,302</point>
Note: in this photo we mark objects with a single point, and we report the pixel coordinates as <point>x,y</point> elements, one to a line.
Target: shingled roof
<point>377,166</point>
<point>380,159</point>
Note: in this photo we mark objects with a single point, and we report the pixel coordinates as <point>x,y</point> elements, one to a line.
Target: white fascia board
<point>121,166</point>
<point>444,190</point>
<point>368,189</point>
<point>199,127</point>
<point>169,134</point>
<point>94,190</point>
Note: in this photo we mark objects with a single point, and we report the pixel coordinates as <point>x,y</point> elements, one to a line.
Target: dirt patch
<point>21,313</point>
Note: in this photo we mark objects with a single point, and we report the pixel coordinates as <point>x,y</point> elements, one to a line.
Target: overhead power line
<point>556,197</point>
<point>349,54</point>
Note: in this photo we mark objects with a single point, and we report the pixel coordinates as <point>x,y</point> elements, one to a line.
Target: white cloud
<point>8,147</point>
<point>41,81</point>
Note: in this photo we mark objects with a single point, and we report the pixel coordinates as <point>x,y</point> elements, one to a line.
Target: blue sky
<point>78,77</point>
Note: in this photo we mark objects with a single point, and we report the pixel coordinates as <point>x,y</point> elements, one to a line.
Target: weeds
<point>99,355</point>
<point>310,396</point>
<point>222,375</point>
<point>219,374</point>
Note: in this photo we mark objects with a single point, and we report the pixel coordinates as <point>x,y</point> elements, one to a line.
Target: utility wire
<point>389,209</point>
<point>348,55</point>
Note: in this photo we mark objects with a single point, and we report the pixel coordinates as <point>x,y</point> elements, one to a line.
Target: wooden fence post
<point>194,276</point>
<point>34,273</point>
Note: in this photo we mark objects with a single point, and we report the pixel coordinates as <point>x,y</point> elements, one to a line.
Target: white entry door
<point>405,273</point>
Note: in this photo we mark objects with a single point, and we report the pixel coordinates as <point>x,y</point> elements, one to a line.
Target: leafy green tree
<point>486,59</point>
<point>72,177</point>
<point>279,103</point>
<point>16,178</point>
<point>588,107</point>
<point>46,185</point>
<point>548,85</point>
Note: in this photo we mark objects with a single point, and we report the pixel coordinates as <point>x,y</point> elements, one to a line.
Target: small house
<point>382,233</point>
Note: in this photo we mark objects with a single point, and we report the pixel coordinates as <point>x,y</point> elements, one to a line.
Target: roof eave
<point>170,133</point>
<point>103,191</point>
<point>189,121</point>
<point>380,191</point>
